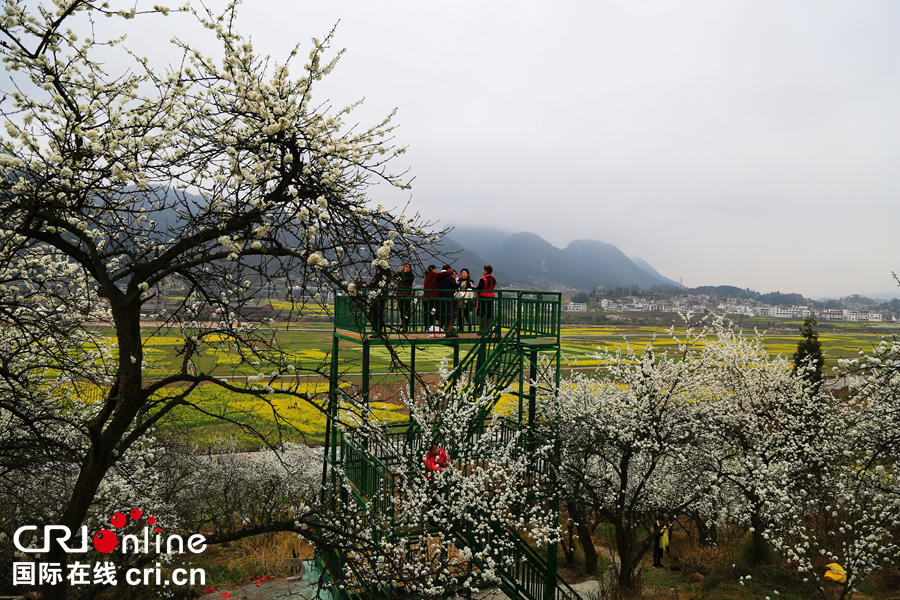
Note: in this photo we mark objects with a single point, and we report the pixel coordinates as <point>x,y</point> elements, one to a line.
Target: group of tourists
<point>449,299</point>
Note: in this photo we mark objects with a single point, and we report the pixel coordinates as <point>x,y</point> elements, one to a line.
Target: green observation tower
<point>513,355</point>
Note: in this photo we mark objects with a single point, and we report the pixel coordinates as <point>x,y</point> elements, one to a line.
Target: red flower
<point>209,590</point>
<point>225,595</point>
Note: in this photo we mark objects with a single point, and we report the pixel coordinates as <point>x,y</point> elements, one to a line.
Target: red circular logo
<point>105,541</point>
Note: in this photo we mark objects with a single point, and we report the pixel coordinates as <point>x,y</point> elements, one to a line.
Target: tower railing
<point>391,310</point>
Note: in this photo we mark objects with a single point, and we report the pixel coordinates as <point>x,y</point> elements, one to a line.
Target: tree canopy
<point>221,175</point>
<point>808,359</point>
<point>722,433</point>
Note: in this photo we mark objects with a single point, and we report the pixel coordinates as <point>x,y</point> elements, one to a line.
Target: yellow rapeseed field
<point>301,420</point>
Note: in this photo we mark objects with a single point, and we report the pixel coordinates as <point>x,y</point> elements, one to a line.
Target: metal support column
<point>412,377</point>
<point>366,355</point>
<point>331,427</point>
<point>552,551</point>
<point>532,389</point>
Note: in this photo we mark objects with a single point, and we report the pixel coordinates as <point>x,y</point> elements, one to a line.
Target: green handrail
<point>524,574</point>
<point>469,363</point>
<point>390,312</point>
<point>373,481</point>
<point>480,360</point>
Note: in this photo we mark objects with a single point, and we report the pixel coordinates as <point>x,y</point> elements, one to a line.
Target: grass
<point>717,573</point>
<point>309,347</point>
<point>278,417</point>
<point>236,564</point>
<point>839,340</point>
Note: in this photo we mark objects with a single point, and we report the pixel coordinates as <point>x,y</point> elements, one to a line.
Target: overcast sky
<point>747,143</point>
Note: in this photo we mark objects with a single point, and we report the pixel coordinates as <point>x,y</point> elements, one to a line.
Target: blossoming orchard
<point>224,177</point>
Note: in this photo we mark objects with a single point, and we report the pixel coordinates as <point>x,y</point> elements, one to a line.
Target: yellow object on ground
<point>664,538</point>
<point>836,573</point>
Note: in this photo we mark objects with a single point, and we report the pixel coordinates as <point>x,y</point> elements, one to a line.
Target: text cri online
<point>103,573</point>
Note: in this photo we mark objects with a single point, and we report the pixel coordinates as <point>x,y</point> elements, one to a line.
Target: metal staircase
<point>501,360</point>
<point>526,577</point>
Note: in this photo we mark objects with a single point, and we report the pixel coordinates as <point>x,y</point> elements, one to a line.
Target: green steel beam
<point>412,376</point>
<point>366,356</point>
<point>532,390</point>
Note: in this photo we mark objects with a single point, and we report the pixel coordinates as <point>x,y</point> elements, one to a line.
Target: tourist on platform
<point>430,297</point>
<point>486,300</point>
<point>447,287</point>
<point>380,283</point>
<point>404,281</point>
<point>466,294</point>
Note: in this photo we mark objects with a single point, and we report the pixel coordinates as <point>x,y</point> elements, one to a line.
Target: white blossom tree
<point>855,519</point>
<point>221,174</point>
<point>730,434</point>
<point>773,430</point>
<point>463,527</point>
<point>634,443</point>
<point>809,473</point>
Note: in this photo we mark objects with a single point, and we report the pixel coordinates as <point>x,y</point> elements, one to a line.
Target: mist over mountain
<point>459,257</point>
<point>607,265</point>
<point>480,240</point>
<point>527,260</point>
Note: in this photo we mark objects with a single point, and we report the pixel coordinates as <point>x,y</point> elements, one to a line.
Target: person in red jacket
<point>485,289</point>
<point>435,460</point>
<point>429,297</point>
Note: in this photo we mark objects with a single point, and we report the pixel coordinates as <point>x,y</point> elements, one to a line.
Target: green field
<point>281,417</point>
<point>839,340</point>
<point>309,346</point>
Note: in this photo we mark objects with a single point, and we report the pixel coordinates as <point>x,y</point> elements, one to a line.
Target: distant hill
<point>884,297</point>
<point>527,260</point>
<point>599,263</point>
<point>454,254</point>
<point>773,298</point>
<point>480,240</point>
<point>533,261</point>
<point>646,266</point>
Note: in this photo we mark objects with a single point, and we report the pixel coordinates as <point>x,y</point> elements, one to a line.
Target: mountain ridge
<point>526,259</point>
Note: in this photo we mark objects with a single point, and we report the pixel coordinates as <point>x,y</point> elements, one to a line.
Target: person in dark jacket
<point>404,281</point>
<point>466,303</point>
<point>429,297</point>
<point>447,287</point>
<point>485,291</point>
<point>380,282</point>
